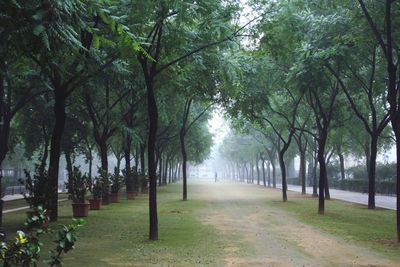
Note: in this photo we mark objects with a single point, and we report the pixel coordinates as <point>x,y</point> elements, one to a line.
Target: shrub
<point>78,185</point>
<point>116,181</point>
<point>36,187</point>
<point>25,248</point>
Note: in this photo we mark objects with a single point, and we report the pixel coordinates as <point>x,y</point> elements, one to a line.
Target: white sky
<point>218,126</point>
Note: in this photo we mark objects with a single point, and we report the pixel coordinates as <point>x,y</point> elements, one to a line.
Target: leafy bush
<point>24,251</point>
<point>36,187</point>
<point>97,187</point>
<point>116,181</point>
<point>78,185</point>
<point>104,179</point>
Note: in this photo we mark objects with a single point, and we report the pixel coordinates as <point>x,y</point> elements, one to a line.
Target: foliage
<point>116,181</point>
<point>65,242</point>
<point>36,187</point>
<point>25,249</point>
<point>96,187</point>
<point>78,185</point>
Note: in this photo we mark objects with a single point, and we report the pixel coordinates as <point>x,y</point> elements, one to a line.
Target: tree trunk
<point>341,163</point>
<point>69,166</point>
<point>127,155</point>
<point>322,171</point>
<point>303,171</point>
<point>55,150</point>
<point>372,172</point>
<point>273,174</point>
<point>258,170</point>
<point>104,166</point>
<point>184,161</point>
<point>283,173</point>
<point>160,168</point>
<point>269,173</point>
<point>263,172</point>
<point>151,146</point>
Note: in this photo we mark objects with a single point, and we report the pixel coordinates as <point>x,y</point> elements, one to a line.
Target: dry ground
<point>266,236</point>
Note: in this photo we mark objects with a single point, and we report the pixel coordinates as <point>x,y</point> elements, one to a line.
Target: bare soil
<point>261,235</point>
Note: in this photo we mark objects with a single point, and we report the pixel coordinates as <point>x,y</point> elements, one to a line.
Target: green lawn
<point>117,235</point>
<point>373,228</point>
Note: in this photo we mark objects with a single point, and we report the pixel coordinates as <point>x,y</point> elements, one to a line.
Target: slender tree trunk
<point>322,171</point>
<point>184,161</point>
<point>303,171</point>
<point>372,172</point>
<point>269,173</point>
<point>69,166</point>
<point>263,172</point>
<point>283,173</point>
<point>160,169</point>
<point>104,166</point>
<point>151,146</point>
<point>273,174</point>
<point>127,156</point>
<point>258,170</point>
<point>55,150</point>
<point>341,163</point>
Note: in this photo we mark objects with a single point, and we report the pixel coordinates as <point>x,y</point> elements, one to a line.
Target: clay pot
<point>95,203</point>
<point>114,197</point>
<point>80,209</point>
<point>131,194</point>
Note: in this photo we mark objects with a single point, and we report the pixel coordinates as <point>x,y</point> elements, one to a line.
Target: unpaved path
<point>262,235</point>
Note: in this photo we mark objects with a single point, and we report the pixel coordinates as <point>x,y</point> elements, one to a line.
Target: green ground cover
<point>117,234</point>
<point>373,228</point>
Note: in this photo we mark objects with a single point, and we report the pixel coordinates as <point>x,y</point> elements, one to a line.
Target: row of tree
<point>323,74</point>
<point>136,79</point>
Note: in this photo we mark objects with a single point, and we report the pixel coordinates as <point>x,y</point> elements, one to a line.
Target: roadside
<point>265,234</point>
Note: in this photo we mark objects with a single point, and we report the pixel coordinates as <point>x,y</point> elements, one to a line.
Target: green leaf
<point>38,29</point>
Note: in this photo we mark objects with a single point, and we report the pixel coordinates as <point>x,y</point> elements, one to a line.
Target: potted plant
<point>144,184</point>
<point>130,183</point>
<point>105,186</point>
<point>36,188</point>
<point>78,185</point>
<point>116,184</point>
<point>96,189</point>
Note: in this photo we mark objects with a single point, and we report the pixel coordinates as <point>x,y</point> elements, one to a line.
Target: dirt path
<point>265,236</point>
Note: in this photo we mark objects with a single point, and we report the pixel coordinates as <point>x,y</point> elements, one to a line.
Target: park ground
<point>229,224</point>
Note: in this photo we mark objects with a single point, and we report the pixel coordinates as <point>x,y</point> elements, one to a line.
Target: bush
<point>78,185</point>
<point>96,187</point>
<point>36,187</point>
<point>116,181</point>
<point>25,248</point>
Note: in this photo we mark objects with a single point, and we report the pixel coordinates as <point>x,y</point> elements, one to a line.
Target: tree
<point>386,41</point>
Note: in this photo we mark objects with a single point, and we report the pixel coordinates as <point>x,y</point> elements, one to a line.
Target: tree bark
<point>60,96</point>
<point>303,171</point>
<point>151,146</point>
<point>322,170</point>
<point>283,174</point>
<point>372,172</point>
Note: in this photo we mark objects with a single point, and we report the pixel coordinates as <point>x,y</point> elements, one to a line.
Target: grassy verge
<point>373,228</point>
<point>117,234</point>
<point>18,203</point>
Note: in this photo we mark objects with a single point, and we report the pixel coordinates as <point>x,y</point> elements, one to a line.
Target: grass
<point>18,203</point>
<point>372,228</point>
<point>117,235</point>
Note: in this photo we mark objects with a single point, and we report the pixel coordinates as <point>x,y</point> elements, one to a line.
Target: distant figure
<point>216,177</point>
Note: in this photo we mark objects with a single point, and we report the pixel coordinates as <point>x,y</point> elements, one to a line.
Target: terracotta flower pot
<point>80,209</point>
<point>95,203</point>
<point>114,197</point>
<point>131,194</point>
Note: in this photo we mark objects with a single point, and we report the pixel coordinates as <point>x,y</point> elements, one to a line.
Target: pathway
<point>266,236</point>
